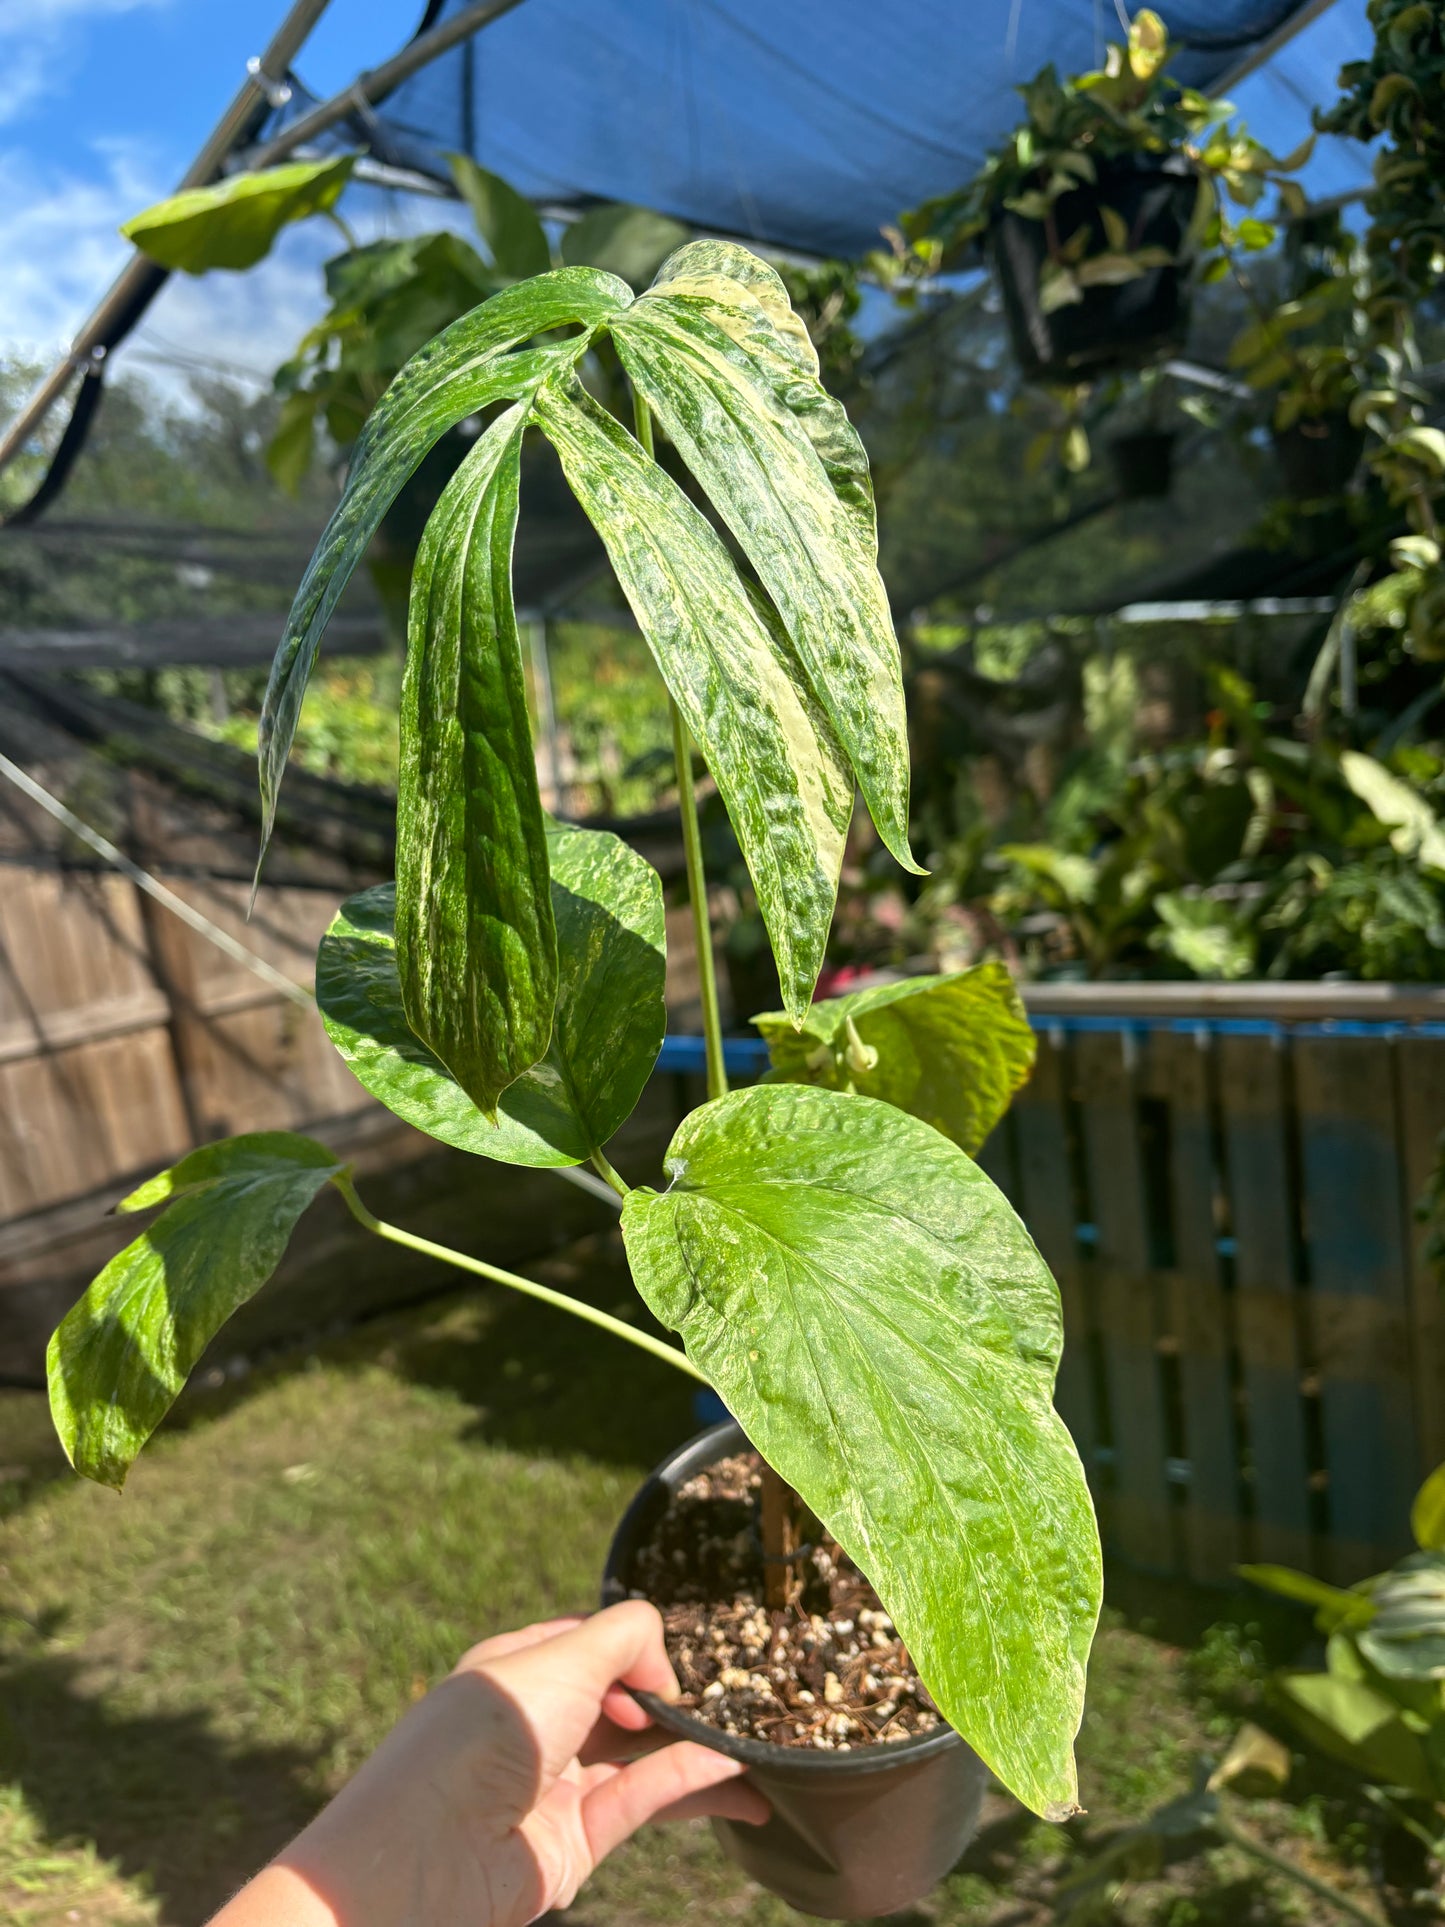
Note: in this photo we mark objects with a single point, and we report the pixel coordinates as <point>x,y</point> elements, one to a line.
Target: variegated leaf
<point>612,970</point>
<point>475,361</point>
<point>748,706</point>
<point>748,301</point>
<point>813,549</point>
<point>475,938</point>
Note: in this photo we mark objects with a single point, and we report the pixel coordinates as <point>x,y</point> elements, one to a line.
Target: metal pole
<point>373,86</point>
<point>141,280</point>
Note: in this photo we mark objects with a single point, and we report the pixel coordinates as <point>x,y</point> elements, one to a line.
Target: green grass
<point>185,1672</point>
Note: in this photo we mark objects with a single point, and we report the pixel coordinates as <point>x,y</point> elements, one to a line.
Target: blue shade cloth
<point>803,123</point>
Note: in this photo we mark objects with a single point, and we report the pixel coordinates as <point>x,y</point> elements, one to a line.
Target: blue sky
<point>103,102</point>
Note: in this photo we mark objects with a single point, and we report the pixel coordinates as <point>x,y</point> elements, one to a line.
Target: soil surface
<point>829,1672</point>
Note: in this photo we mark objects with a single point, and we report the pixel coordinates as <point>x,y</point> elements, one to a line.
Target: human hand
<point>497,1794</point>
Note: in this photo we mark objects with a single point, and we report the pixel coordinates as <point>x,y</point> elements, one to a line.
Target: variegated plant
<point>837,1265</point>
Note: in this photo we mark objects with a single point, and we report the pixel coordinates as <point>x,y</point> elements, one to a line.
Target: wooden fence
<point>1224,1181</point>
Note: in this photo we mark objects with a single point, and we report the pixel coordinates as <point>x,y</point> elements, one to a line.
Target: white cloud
<point>37,45</point>
<point>61,249</point>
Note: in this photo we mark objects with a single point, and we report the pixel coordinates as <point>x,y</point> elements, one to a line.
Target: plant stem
<point>605,1170</point>
<point>395,1235</point>
<point>717,1077</point>
<point>1247,1843</point>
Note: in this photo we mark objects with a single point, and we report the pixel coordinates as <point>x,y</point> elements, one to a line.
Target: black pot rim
<point>805,1762</point>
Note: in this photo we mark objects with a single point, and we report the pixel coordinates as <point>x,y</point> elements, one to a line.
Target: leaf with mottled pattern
<point>813,549</point>
<point>475,941</point>
<point>121,1355</point>
<point>475,361</point>
<point>768,744</point>
<point>951,1050</point>
<point>607,902</point>
<point>870,1308</point>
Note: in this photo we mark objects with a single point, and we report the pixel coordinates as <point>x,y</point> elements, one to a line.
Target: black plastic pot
<point>1143,464</point>
<point>852,1834</point>
<point>1318,455</point>
<point>1118,327</point>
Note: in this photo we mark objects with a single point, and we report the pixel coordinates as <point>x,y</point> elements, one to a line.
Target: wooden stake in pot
<point>782,1538</point>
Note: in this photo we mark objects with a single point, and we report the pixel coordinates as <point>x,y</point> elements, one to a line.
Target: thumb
<point>679,1782</point>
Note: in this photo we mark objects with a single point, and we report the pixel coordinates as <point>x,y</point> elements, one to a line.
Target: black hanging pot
<point>1143,464</point>
<point>1318,454</point>
<point>1111,327</point>
<point>853,1834</point>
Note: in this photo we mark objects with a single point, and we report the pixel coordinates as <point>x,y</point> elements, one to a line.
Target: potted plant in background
<point>1101,203</point>
<point>386,300</point>
<point>839,1268</point>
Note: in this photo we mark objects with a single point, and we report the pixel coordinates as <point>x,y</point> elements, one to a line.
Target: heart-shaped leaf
<point>873,1312</point>
<point>768,744</point>
<point>607,902</point>
<point>121,1355</point>
<point>476,946</point>
<point>951,1050</point>
<point>716,396</point>
<point>232,223</point>
<point>468,365</point>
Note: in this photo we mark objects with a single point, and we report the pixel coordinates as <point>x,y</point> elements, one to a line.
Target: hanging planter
<point>1318,454</point>
<point>1099,207</point>
<point>1107,324</point>
<point>861,1826</point>
<point>1143,464</point>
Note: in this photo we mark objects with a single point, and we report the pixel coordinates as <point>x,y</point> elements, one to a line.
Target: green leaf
<point>749,301</point>
<point>288,453</point>
<point>871,1309</point>
<point>1406,1637</point>
<point>1427,1515</point>
<point>1414,829</point>
<point>233,223</point>
<point>505,220</point>
<point>475,940</point>
<point>747,704</point>
<point>120,1356</point>
<point>951,1050</point>
<point>630,242</point>
<point>1348,1720</point>
<point>716,397</point>
<point>1336,1605</point>
<point>467,366</point>
<point>607,903</point>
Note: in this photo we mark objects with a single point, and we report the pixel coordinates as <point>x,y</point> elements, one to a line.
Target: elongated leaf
<point>768,744</point>
<point>607,902</point>
<point>1352,1723</point>
<point>233,223</point>
<point>467,366</point>
<point>476,945</point>
<point>748,300</point>
<point>951,1050</point>
<point>119,1357</point>
<point>1335,1605</point>
<point>506,222</point>
<point>1427,1514</point>
<point>622,240</point>
<point>869,1306</point>
<point>763,474</point>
